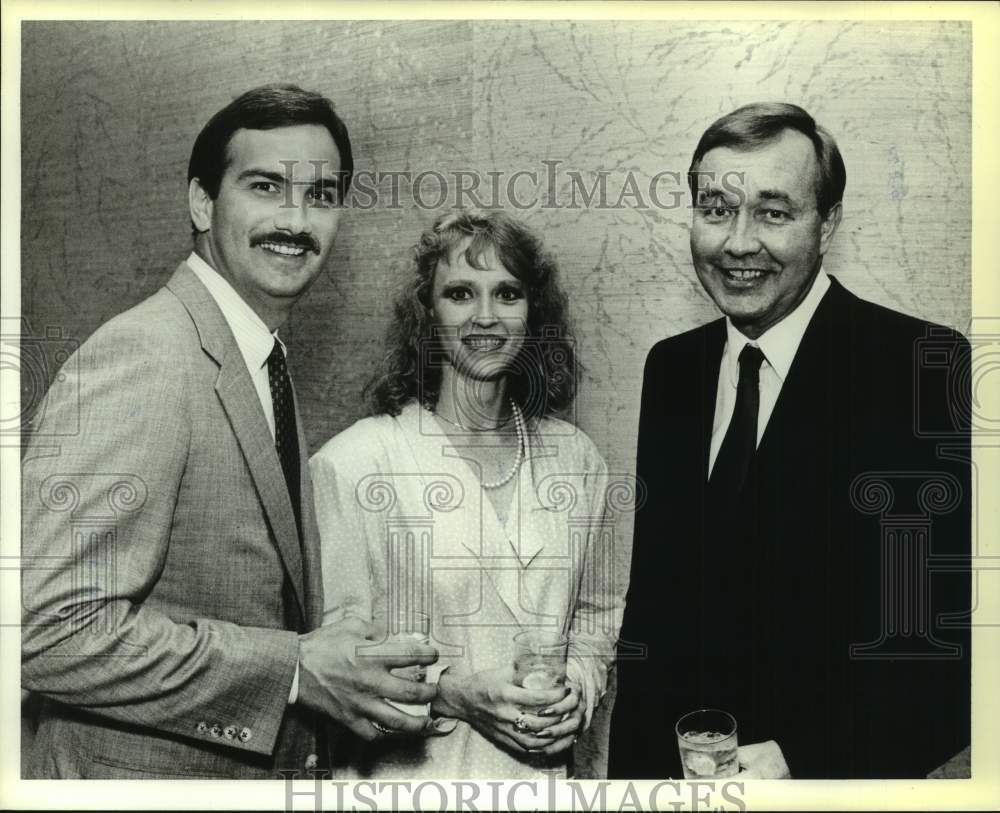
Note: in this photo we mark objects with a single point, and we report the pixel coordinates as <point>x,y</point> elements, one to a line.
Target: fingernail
<point>445,725</point>
<point>535,751</point>
<point>545,713</point>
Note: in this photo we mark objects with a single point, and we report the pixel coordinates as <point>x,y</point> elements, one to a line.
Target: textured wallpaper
<point>110,111</point>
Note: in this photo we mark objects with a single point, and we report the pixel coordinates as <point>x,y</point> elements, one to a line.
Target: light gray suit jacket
<point>164,583</point>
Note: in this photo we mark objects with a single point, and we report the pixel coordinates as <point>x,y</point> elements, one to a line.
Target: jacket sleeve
<point>649,689</point>
<point>100,481</point>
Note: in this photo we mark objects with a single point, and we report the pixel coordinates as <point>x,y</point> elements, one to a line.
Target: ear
<point>828,227</point>
<point>200,206</point>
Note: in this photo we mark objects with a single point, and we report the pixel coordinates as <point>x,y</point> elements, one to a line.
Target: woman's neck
<point>474,405</point>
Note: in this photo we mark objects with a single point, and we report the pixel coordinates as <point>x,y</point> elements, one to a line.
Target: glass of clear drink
<point>540,659</point>
<point>403,626</point>
<point>707,742</point>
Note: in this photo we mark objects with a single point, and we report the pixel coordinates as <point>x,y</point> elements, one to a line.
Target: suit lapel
<point>709,367</point>
<point>675,431</point>
<point>810,380</point>
<point>239,398</point>
<point>312,574</point>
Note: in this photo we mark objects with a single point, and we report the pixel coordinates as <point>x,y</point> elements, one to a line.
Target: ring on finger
<point>521,723</point>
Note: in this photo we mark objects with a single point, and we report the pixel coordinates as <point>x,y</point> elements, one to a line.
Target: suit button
<point>230,732</point>
<point>311,762</point>
<point>245,734</point>
<point>216,730</point>
<point>202,727</point>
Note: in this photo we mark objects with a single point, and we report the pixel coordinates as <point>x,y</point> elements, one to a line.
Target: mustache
<point>305,241</point>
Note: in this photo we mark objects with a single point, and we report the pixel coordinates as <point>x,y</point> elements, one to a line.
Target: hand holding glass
<point>404,627</point>
<point>540,659</point>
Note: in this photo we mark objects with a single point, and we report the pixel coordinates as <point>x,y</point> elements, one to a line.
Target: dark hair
<point>543,377</point>
<point>266,108</point>
<point>754,125</point>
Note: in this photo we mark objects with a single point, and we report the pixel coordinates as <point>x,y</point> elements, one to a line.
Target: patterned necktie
<point>286,439</point>
<point>740,443</point>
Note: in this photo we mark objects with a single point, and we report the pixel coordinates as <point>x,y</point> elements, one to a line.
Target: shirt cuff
<point>293,695</point>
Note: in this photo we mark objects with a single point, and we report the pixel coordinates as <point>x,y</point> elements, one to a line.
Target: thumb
<point>440,726</point>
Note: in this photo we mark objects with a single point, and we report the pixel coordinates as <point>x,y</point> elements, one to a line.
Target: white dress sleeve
<point>345,528</point>
<point>597,612</point>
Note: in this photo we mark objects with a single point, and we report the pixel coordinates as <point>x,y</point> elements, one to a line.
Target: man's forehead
<point>299,151</point>
<point>787,164</point>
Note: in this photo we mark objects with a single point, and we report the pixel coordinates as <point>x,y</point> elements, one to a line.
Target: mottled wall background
<point>110,111</point>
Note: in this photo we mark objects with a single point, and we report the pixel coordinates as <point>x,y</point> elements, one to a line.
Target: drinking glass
<point>540,659</point>
<point>707,742</point>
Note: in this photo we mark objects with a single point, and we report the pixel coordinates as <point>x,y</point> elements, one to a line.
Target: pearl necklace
<point>465,428</point>
<point>521,443</point>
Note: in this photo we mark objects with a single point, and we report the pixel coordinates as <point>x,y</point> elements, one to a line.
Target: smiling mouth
<point>284,249</point>
<point>745,274</point>
<point>484,343</point>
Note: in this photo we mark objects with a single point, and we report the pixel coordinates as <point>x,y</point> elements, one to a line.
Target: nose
<point>485,312</point>
<point>293,215</point>
<point>743,238</point>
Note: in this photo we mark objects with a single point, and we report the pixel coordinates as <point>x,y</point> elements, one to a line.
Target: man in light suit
<point>800,560</point>
<point>172,587</point>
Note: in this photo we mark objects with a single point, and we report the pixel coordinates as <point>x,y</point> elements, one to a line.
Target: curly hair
<point>542,379</point>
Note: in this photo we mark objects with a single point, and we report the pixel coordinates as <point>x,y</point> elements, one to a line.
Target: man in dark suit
<point>171,586</point>
<point>800,559</point>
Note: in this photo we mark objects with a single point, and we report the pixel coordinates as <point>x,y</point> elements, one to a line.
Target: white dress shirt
<point>779,344</point>
<point>255,342</point>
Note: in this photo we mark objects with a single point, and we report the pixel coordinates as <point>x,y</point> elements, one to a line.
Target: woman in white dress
<point>464,498</point>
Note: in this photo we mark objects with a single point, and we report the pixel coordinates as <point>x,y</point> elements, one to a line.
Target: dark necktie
<point>286,439</point>
<point>740,443</point>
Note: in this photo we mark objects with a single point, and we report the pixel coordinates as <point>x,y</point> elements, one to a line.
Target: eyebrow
<point>513,282</point>
<point>770,194</point>
<point>711,192</point>
<point>278,177</point>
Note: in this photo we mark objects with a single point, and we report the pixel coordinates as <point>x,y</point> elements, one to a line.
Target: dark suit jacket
<point>164,583</point>
<point>811,610</point>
